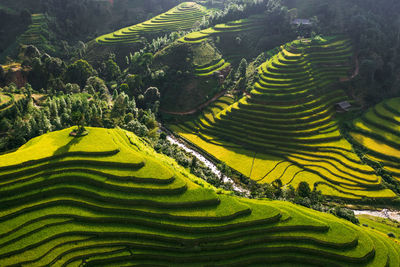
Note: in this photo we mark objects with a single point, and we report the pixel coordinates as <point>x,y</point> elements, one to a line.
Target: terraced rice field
<point>382,225</point>
<point>252,23</point>
<point>287,129</point>
<point>379,132</point>
<point>211,68</point>
<point>70,202</point>
<point>181,17</point>
<point>32,36</point>
<point>8,101</point>
<point>5,100</point>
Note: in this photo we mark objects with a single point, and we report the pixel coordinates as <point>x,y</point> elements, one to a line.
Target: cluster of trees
<point>302,195</point>
<point>26,119</point>
<point>190,162</point>
<point>79,94</point>
<point>232,10</point>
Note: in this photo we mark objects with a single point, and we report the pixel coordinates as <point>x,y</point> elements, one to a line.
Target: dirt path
<point>193,111</point>
<point>356,71</point>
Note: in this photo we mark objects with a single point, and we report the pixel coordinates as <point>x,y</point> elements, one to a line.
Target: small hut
<point>299,22</point>
<point>343,106</point>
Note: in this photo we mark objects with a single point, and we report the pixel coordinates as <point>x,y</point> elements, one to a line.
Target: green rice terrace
<point>35,33</point>
<point>181,17</point>
<point>378,131</point>
<point>203,61</point>
<point>210,68</point>
<point>69,202</point>
<point>252,23</point>
<point>286,128</point>
<point>7,101</point>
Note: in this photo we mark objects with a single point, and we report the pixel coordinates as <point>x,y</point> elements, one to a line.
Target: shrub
<point>345,213</point>
<point>391,235</point>
<point>303,189</point>
<point>79,72</point>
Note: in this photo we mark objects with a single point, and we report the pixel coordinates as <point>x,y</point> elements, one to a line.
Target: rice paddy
<point>73,203</point>
<point>378,131</point>
<point>34,34</point>
<point>253,23</point>
<point>286,129</point>
<point>180,18</point>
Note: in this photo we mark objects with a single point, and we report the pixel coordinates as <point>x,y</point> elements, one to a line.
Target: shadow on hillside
<point>67,147</point>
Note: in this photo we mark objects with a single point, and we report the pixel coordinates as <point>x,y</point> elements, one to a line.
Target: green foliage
<point>98,85</point>
<point>78,118</point>
<point>79,72</point>
<point>111,70</point>
<point>151,95</point>
<point>345,214</point>
<point>135,83</point>
<point>241,70</point>
<point>303,189</point>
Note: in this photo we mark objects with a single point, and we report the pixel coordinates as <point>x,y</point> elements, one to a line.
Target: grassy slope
<point>289,122</point>
<point>89,207</point>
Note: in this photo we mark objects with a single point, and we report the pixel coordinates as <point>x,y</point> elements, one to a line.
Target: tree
<point>78,118</point>
<point>5,125</point>
<point>303,189</point>
<point>151,95</point>
<point>140,63</point>
<point>79,72</point>
<point>28,89</point>
<point>98,85</point>
<point>26,16</point>
<point>120,105</point>
<point>72,88</point>
<point>124,88</point>
<point>135,84</point>
<point>2,74</point>
<point>241,71</point>
<point>111,70</point>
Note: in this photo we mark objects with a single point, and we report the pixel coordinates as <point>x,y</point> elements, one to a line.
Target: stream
<point>209,164</point>
<point>385,213</point>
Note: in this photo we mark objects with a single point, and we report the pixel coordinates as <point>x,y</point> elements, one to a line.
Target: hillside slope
<point>286,129</point>
<point>68,201</point>
<point>181,17</point>
<point>191,70</point>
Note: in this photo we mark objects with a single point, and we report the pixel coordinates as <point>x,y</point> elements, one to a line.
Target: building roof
<point>345,105</point>
<point>302,22</point>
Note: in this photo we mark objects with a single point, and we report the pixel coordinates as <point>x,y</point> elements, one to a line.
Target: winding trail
<point>193,111</point>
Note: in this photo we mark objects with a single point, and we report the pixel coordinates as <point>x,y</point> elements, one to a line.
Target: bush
<point>79,72</point>
<point>391,235</point>
<point>303,190</point>
<point>345,213</point>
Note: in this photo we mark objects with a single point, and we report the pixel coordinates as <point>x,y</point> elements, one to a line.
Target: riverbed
<point>209,164</point>
<point>385,213</point>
